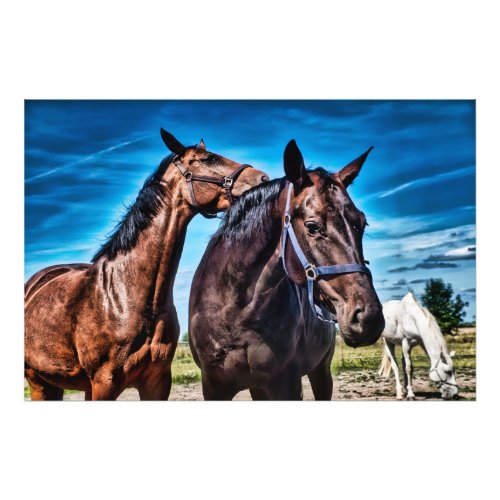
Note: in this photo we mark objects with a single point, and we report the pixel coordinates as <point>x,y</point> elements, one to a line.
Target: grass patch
<point>369,358</point>
<point>184,369</point>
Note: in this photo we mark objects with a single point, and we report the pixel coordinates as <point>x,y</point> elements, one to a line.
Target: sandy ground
<point>352,385</point>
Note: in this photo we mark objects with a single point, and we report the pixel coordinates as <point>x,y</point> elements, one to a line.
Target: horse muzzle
<point>362,324</point>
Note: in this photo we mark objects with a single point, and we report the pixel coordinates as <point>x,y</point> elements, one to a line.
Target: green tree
<point>449,312</point>
<point>185,337</point>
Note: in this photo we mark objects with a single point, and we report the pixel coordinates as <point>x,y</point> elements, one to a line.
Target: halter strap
<point>441,381</point>
<point>313,273</point>
<point>225,182</point>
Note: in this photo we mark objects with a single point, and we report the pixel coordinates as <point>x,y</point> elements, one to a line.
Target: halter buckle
<point>188,176</point>
<point>228,182</point>
<point>311,272</point>
<point>287,220</point>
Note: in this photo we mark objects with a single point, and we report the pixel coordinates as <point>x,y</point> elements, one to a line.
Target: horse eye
<point>312,227</point>
<point>209,159</point>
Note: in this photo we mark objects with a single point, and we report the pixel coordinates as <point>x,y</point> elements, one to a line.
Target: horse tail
<point>384,370</point>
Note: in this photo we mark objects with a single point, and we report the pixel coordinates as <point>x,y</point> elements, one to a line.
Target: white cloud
<point>425,181</point>
<point>463,253</point>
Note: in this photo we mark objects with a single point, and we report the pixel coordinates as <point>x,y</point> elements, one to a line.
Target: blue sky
<point>85,160</point>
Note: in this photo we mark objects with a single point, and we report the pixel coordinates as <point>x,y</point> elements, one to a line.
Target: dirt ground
<point>357,385</point>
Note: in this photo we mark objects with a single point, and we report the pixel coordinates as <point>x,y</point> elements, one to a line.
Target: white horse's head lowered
<point>443,375</point>
<point>441,371</point>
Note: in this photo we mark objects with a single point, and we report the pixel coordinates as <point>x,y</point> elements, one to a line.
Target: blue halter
<point>313,272</point>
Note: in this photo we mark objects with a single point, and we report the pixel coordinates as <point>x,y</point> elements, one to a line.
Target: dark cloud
<point>423,265</point>
<point>416,282</point>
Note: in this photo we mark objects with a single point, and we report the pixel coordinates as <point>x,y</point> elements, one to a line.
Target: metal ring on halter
<point>311,272</point>
<point>228,182</point>
<point>188,176</point>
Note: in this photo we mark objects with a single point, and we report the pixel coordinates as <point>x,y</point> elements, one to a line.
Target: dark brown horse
<point>254,320</point>
<point>112,324</point>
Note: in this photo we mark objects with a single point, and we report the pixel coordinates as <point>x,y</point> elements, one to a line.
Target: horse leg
<point>106,384</point>
<point>40,389</point>
<point>321,378</point>
<point>390,350</point>
<point>156,382</point>
<point>215,391</point>
<point>259,394</point>
<point>408,369</point>
<point>157,389</point>
<point>287,386</point>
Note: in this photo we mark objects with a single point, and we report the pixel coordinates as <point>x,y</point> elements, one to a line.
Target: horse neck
<point>255,264</point>
<point>146,273</point>
<point>432,338</point>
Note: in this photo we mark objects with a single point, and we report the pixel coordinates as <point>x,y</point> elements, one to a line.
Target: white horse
<point>408,324</point>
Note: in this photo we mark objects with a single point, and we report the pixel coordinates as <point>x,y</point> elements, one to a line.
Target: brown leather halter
<point>226,182</point>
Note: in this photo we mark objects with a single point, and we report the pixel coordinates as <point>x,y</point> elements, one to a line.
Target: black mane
<point>250,215</point>
<point>146,206</point>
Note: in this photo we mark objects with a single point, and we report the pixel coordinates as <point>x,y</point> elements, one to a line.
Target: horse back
<point>46,275</point>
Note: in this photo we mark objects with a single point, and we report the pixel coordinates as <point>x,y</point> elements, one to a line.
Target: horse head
<point>443,375</point>
<point>212,181</point>
<point>329,229</point>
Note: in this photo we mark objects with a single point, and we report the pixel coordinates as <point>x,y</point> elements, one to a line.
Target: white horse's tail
<point>384,370</point>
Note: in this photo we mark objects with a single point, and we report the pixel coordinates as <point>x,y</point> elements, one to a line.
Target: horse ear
<point>172,143</point>
<point>351,171</point>
<point>201,145</point>
<point>293,163</point>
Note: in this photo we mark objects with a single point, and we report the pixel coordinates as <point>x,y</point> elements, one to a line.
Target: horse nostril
<point>264,178</point>
<point>356,317</point>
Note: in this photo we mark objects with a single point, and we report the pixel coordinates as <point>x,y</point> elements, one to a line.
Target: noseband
<point>226,182</point>
<point>313,273</point>
<point>441,381</point>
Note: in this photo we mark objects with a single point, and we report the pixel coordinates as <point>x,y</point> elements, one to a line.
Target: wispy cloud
<point>423,265</point>
<point>425,181</point>
<point>389,244</point>
<point>85,158</point>
<point>61,250</point>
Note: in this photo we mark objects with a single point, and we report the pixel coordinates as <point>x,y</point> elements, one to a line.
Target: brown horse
<point>112,324</point>
<point>287,258</point>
